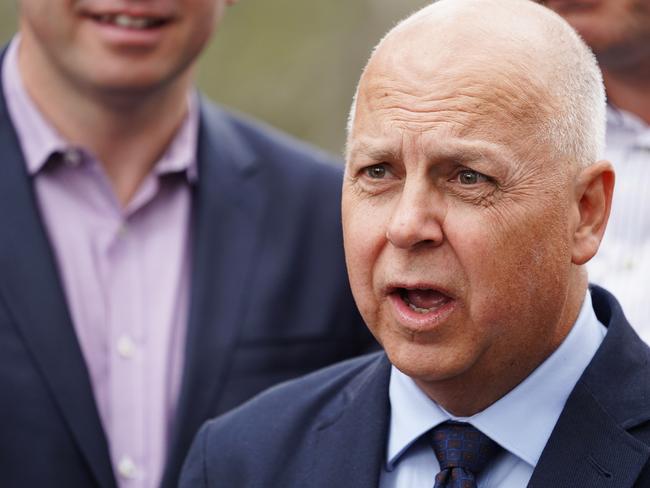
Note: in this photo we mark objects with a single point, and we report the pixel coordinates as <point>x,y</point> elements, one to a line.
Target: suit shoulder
<point>273,436</point>
<point>315,395</point>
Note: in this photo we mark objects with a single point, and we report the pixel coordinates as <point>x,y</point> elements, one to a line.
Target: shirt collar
<point>625,128</point>
<point>39,139</point>
<point>622,119</point>
<point>180,156</point>
<point>521,421</point>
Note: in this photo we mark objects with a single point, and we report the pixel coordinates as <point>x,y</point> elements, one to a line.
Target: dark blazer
<point>329,429</point>
<point>269,301</point>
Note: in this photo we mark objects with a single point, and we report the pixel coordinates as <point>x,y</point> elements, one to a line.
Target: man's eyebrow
<point>376,152</point>
<point>469,152</point>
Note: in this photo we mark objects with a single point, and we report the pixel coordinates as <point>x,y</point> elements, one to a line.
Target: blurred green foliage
<point>292,63</point>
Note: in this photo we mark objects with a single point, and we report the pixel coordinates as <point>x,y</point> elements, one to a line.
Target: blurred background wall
<point>292,63</point>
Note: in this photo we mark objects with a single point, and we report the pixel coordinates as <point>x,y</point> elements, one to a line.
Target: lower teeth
<point>418,309</point>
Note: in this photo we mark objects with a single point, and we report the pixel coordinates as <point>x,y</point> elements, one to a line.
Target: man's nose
<point>417,218</point>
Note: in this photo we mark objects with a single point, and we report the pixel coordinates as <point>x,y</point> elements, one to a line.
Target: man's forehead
<point>451,89</point>
<point>462,108</point>
<point>473,97</point>
<point>427,80</point>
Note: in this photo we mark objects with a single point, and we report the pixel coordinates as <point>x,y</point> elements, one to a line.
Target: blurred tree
<point>291,63</point>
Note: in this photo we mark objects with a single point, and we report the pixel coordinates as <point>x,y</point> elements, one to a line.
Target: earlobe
<point>594,189</point>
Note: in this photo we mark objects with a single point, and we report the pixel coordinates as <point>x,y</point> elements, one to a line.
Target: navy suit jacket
<point>269,301</point>
<point>329,429</point>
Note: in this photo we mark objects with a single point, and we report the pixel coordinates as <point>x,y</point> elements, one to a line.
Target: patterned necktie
<point>462,451</point>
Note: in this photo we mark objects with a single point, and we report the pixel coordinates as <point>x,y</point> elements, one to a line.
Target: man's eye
<point>376,172</point>
<point>470,177</point>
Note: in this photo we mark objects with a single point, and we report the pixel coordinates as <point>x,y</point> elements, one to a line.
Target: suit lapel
<point>589,449</point>
<point>591,445</point>
<point>227,206</point>
<point>352,439</point>
<point>31,290</point>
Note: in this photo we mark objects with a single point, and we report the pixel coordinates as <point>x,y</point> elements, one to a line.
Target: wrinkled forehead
<point>479,83</point>
<point>420,77</point>
<point>470,95</point>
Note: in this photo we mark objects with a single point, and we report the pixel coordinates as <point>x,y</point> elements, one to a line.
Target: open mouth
<point>424,300</point>
<point>130,21</point>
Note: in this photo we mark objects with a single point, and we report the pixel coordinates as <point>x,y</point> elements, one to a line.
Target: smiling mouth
<point>130,21</point>
<point>423,301</point>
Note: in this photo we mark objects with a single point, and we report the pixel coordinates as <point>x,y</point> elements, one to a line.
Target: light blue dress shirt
<point>521,421</point>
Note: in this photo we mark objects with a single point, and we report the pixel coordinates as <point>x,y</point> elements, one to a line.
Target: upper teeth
<point>128,21</point>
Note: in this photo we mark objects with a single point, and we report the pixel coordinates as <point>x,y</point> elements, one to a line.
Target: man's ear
<point>594,189</point>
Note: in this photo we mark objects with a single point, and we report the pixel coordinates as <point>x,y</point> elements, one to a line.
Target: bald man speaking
<point>474,196</point>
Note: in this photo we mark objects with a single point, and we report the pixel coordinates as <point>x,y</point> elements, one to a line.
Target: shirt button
<point>72,157</point>
<point>125,347</point>
<point>122,230</point>
<point>126,467</point>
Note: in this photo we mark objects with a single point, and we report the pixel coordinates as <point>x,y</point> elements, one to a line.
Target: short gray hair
<point>577,129</point>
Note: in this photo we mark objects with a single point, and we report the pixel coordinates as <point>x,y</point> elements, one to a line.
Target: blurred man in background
<point>618,31</point>
<point>161,260</point>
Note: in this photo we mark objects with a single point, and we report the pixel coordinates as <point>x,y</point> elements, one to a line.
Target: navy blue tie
<point>463,452</point>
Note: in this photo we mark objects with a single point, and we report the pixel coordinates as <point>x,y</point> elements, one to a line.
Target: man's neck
<point>628,90</point>
<point>127,132</point>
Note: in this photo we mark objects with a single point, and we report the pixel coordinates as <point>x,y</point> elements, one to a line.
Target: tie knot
<point>459,445</point>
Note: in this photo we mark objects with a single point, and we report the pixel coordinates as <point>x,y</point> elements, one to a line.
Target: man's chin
<point>426,364</point>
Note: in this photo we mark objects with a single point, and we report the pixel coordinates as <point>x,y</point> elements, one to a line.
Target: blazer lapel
<point>591,445</point>
<point>31,290</point>
<point>351,442</point>
<point>227,205</point>
<point>589,449</point>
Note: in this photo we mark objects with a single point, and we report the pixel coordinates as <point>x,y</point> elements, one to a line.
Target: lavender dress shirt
<point>125,273</point>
